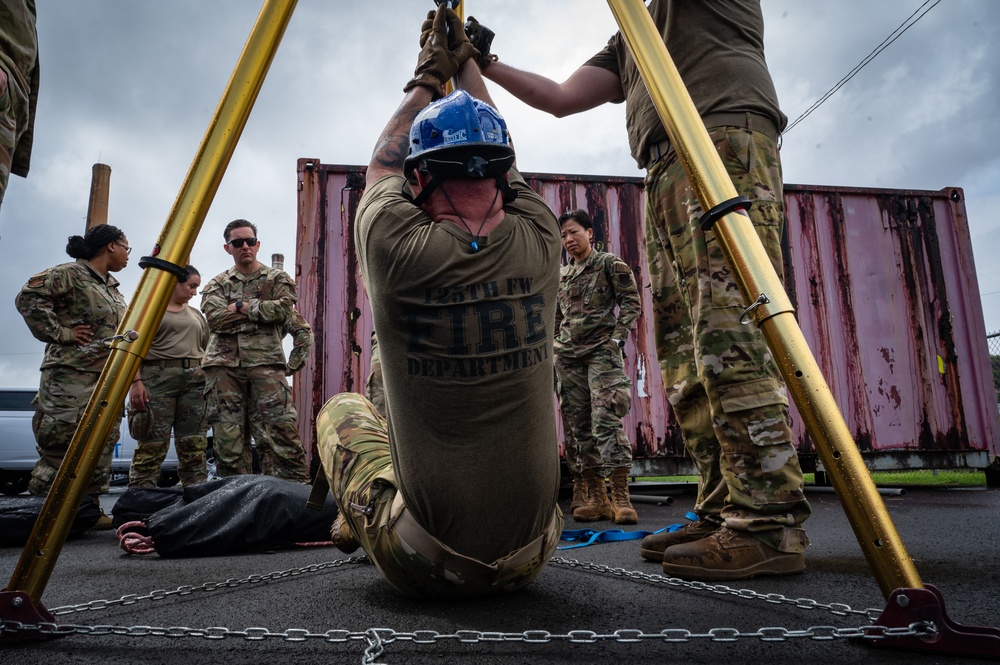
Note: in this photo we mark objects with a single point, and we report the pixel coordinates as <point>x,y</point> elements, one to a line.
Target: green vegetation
<point>931,477</point>
<point>921,477</point>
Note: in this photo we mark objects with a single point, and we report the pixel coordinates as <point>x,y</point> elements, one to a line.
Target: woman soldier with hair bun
<point>73,307</point>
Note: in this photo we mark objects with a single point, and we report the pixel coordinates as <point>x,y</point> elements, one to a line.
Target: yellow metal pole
<point>881,544</point>
<point>146,309</point>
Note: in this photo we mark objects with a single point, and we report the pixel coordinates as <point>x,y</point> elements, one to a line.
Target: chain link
<point>160,594</point>
<point>377,639</point>
<point>837,609</point>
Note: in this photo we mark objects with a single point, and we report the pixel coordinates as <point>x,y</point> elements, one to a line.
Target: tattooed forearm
<point>393,145</point>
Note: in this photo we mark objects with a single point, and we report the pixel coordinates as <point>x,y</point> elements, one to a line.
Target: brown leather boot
<point>729,555</point>
<point>342,535</point>
<point>598,507</point>
<point>621,504</point>
<point>579,493</point>
<point>104,522</point>
<point>652,546</point>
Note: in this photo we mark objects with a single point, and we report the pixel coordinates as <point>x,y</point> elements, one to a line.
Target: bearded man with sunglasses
<point>247,308</point>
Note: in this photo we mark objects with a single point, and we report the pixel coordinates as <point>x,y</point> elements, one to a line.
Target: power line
<point>893,36</point>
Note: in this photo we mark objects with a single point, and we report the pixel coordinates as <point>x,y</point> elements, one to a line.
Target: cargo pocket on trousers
<point>378,498</point>
<point>761,455</point>
<point>616,392</point>
<point>757,411</point>
<point>211,403</point>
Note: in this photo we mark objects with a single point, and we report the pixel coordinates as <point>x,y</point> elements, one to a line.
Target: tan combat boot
<point>579,493</point>
<point>729,555</point>
<point>342,536</point>
<point>104,522</point>
<point>621,504</point>
<point>598,507</point>
<point>652,546</point>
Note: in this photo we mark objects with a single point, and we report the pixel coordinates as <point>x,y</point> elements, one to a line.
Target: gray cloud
<point>134,85</point>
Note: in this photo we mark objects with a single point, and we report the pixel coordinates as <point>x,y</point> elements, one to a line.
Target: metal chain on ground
<point>376,639</point>
<point>839,609</point>
<point>160,594</point>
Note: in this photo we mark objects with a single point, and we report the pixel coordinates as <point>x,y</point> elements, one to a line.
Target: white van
<point>18,453</point>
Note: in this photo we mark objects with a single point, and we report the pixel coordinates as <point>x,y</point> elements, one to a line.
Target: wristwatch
<point>619,342</point>
<point>239,305</point>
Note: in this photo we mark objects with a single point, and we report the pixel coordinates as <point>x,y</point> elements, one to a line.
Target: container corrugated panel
<point>884,283</point>
<point>887,298</point>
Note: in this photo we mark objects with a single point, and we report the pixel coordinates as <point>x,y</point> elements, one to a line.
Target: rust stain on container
<point>883,282</point>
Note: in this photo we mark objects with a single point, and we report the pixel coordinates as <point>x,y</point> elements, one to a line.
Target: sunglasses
<point>238,242</point>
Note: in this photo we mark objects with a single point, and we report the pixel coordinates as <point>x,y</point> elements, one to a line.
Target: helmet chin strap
<point>509,193</point>
<point>426,192</point>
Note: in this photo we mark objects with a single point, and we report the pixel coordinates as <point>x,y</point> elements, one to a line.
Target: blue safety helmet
<point>459,136</point>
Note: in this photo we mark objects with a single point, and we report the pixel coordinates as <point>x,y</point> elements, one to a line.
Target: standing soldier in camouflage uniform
<point>721,381</point>
<point>170,389</point>
<point>73,307</point>
<point>302,343</point>
<point>594,391</point>
<point>18,87</point>
<point>247,308</point>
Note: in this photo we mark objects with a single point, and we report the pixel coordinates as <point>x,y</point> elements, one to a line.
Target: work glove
<point>427,27</point>
<point>438,63</point>
<point>481,38</point>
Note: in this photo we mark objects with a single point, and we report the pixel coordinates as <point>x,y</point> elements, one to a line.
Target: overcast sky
<point>133,84</point>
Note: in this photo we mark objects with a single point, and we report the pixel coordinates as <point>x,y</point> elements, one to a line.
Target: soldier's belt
<point>415,536</point>
<point>186,363</point>
<point>752,121</point>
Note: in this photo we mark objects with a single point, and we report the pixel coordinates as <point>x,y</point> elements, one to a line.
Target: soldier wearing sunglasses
<point>247,308</point>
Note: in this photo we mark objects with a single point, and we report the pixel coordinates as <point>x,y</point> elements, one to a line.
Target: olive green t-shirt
<point>718,49</point>
<point>182,334</point>
<point>465,339</point>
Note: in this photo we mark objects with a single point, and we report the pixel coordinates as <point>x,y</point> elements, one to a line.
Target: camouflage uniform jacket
<point>55,300</point>
<point>589,291</point>
<point>253,337</point>
<point>302,341</point>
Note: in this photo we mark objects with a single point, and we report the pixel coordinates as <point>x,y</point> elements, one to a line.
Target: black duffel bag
<point>232,515</point>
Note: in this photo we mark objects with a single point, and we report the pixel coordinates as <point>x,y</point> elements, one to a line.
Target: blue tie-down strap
<point>584,537</point>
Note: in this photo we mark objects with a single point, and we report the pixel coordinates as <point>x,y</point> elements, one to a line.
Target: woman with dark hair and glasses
<point>73,307</point>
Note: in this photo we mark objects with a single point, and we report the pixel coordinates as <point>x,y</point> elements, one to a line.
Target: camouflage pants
<point>374,387</point>
<point>10,133</point>
<point>354,448</point>
<point>594,395</point>
<point>719,376</point>
<point>230,391</point>
<point>177,402</point>
<point>63,395</point>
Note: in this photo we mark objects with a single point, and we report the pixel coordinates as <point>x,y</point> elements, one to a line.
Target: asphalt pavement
<point>596,604</point>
